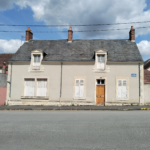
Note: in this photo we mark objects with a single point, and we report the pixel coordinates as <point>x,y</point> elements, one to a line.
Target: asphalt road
<point>74,130</point>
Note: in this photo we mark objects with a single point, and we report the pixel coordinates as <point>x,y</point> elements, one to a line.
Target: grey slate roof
<point>145,62</point>
<point>80,50</point>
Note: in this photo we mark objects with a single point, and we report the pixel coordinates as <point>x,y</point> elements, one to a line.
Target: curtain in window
<point>41,87</point>
<point>122,89</point>
<point>36,63</point>
<point>79,88</point>
<point>29,87</point>
<point>100,61</point>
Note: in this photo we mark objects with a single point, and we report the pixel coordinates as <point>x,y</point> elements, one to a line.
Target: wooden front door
<point>100,94</point>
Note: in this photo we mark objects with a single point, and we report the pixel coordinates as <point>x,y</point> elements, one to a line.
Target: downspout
<point>139,82</point>
<point>10,83</point>
<point>60,83</point>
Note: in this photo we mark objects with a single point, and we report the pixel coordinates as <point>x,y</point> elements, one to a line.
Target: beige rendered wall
<point>116,70</point>
<point>147,93</point>
<point>52,71</point>
<point>20,71</point>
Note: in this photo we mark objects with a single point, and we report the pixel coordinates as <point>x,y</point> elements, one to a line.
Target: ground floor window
<point>122,89</point>
<point>41,87</point>
<point>35,87</point>
<point>79,88</point>
<point>29,87</point>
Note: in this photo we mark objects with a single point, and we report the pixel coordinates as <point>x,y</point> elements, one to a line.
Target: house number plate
<point>133,75</point>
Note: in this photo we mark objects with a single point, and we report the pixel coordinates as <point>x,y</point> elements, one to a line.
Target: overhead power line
<point>75,25</point>
<point>80,31</point>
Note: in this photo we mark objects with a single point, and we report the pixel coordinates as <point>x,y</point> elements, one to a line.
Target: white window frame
<point>84,95</point>
<point>106,67</point>
<point>127,88</point>
<point>101,63</point>
<point>27,88</point>
<point>36,65</point>
<point>37,94</point>
<point>35,87</point>
<point>33,66</point>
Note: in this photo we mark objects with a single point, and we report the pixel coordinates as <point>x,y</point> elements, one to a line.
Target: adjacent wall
<point>147,93</point>
<point>3,88</point>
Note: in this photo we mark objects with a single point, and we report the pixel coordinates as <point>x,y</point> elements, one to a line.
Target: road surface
<point>74,130</point>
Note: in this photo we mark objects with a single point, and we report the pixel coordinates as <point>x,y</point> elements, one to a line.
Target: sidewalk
<point>119,108</point>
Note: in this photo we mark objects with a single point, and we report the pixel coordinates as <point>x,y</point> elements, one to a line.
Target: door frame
<point>100,78</point>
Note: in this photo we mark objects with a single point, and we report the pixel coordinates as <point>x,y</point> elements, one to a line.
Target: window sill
<point>107,69</point>
<point>35,97</point>
<point>122,99</point>
<point>75,98</point>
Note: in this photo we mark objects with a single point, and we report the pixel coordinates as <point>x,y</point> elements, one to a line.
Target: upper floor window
<point>36,62</point>
<point>101,62</point>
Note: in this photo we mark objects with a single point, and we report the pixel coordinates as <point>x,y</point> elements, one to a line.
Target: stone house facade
<point>76,72</point>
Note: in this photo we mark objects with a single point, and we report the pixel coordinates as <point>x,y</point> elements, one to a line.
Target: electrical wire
<point>75,25</point>
<point>79,31</point>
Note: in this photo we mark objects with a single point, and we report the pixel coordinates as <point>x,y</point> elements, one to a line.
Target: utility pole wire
<point>76,25</point>
<point>80,31</point>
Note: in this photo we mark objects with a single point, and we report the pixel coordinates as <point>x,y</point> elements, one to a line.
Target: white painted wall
<point>70,70</point>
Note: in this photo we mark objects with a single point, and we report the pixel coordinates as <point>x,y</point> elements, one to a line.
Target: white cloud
<point>144,47</point>
<point>88,12</point>
<point>91,12</point>
<point>10,46</point>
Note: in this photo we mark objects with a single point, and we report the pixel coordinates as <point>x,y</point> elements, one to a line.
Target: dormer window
<point>36,62</point>
<point>101,62</point>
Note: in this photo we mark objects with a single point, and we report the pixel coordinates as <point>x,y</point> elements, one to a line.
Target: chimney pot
<point>70,34</point>
<point>4,67</point>
<point>29,34</point>
<point>132,34</point>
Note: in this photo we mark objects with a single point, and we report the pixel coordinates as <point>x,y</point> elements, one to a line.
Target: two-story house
<point>76,72</point>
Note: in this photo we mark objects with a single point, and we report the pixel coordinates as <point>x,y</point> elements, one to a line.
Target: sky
<point>74,12</point>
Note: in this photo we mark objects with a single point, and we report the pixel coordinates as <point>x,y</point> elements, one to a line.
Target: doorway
<point>100,92</point>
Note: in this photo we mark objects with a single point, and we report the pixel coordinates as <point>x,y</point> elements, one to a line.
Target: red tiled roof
<point>146,76</point>
<point>4,58</point>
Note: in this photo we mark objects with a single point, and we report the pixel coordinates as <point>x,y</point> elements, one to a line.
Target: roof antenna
<point>22,37</point>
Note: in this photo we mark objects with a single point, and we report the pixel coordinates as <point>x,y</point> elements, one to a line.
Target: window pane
<point>42,87</point>
<point>101,58</point>
<point>77,89</point>
<point>36,58</point>
<point>29,87</point>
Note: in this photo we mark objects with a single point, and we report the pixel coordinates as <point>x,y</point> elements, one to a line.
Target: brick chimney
<point>4,68</point>
<point>132,34</point>
<point>70,34</point>
<point>29,34</point>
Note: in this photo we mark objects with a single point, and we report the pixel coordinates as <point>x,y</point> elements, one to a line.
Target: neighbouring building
<point>76,72</point>
<point>147,81</point>
<point>3,76</point>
